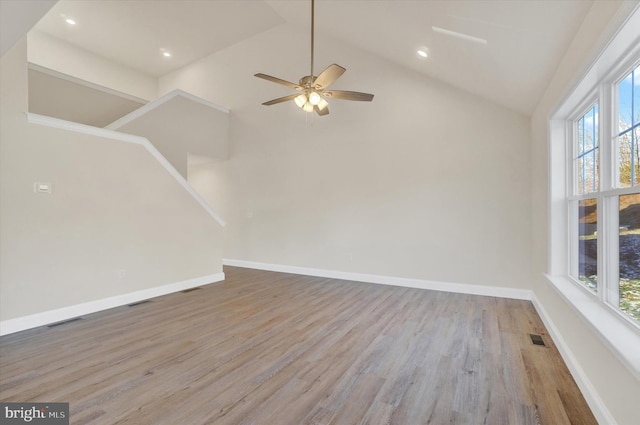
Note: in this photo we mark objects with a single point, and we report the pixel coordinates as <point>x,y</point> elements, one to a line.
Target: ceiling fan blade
<point>278,81</point>
<point>328,76</point>
<point>349,95</point>
<point>281,99</point>
<point>321,112</point>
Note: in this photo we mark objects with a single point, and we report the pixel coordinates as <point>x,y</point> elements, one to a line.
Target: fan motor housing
<point>307,80</point>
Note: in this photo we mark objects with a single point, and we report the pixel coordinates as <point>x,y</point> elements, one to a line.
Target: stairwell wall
<point>57,55</point>
<point>116,222</point>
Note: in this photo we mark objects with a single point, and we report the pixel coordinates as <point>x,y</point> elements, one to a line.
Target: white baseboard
<point>52,316</point>
<point>462,288</point>
<point>598,407</point>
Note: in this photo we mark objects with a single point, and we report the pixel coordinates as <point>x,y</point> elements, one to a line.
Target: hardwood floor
<point>279,349</point>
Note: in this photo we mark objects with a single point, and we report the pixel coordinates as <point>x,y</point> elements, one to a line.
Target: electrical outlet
<point>122,273</point>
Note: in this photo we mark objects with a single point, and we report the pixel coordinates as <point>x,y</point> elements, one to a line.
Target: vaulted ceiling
<point>515,45</point>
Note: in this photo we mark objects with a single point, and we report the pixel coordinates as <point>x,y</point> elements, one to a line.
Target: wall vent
<point>64,322</point>
<point>537,340</point>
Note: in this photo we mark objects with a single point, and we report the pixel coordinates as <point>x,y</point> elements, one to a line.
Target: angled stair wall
<point>179,124</point>
<point>120,224</point>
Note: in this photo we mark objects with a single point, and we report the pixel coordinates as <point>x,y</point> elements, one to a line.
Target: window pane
<point>629,220</point>
<point>588,125</point>
<point>629,158</point>
<point>636,96</point>
<point>588,243</point>
<point>580,177</point>
<point>636,155</point>
<point>587,156</point>
<point>629,129</point>
<point>625,103</point>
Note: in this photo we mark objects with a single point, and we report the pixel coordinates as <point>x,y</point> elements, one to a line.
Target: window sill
<point>621,336</point>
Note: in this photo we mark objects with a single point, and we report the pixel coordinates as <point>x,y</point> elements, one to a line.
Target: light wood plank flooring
<point>280,349</point>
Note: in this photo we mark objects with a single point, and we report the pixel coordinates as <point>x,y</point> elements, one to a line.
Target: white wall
<point>113,208</point>
<point>17,17</point>
<point>178,125</point>
<point>612,381</point>
<point>53,95</point>
<point>55,54</point>
<point>425,182</point>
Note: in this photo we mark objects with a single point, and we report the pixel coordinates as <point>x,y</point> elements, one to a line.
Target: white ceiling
<point>526,39</point>
<point>133,32</point>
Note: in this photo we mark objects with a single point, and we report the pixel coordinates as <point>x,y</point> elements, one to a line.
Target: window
<point>604,201</point>
<point>593,228</point>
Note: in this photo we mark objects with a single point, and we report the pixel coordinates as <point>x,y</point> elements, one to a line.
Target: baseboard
<point>598,407</point>
<point>462,288</point>
<point>52,316</point>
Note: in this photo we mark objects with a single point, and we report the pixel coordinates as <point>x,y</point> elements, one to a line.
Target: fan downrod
<point>313,87</point>
<point>307,81</point>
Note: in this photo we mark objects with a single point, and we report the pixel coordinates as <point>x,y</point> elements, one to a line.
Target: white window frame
<point>619,333</point>
<point>607,193</point>
<point>574,198</point>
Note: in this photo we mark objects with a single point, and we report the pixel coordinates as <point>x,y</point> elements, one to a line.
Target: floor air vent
<point>138,303</point>
<point>190,289</point>
<point>537,340</point>
<point>64,322</point>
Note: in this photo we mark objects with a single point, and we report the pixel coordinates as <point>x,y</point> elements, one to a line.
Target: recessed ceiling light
<point>422,52</point>
<point>166,54</point>
<point>70,21</point>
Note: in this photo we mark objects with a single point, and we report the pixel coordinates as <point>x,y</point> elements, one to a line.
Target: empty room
<point>287,212</point>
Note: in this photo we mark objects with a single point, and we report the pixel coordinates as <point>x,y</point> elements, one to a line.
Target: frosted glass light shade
<point>300,100</point>
<point>307,107</point>
<point>322,104</point>
<point>314,98</point>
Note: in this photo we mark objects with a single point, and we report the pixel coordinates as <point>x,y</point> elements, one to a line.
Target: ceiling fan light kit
<point>313,96</point>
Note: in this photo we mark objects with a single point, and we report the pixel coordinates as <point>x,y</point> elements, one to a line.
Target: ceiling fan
<point>314,93</point>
